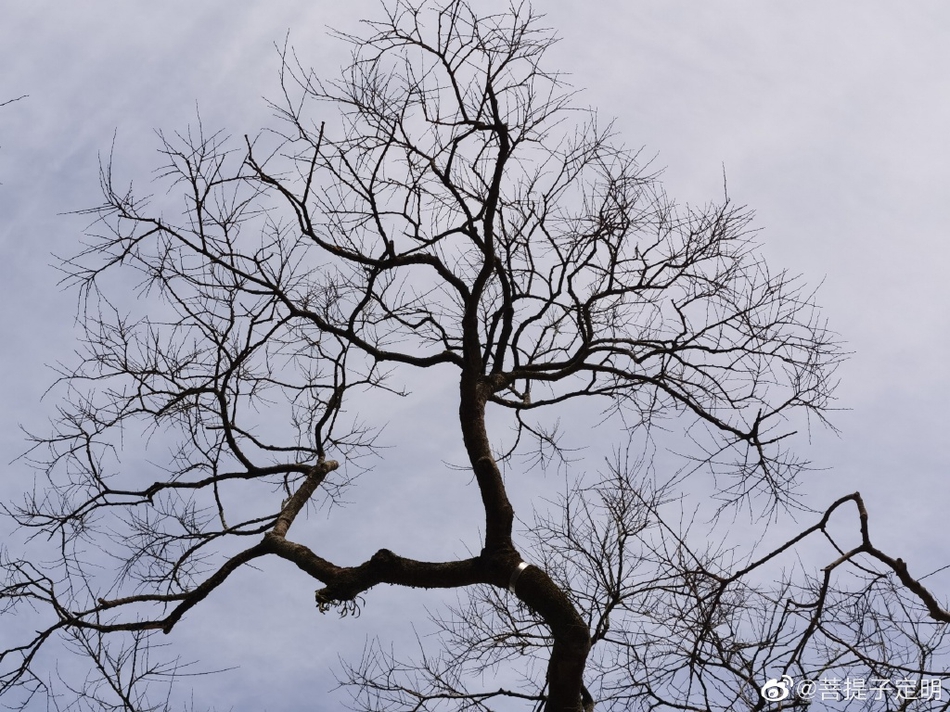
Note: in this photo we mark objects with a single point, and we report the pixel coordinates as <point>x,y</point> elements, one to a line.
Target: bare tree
<point>453,211</point>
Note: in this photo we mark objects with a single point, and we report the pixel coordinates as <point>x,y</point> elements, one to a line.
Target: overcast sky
<point>831,120</point>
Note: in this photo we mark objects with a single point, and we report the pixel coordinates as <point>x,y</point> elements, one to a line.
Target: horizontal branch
<point>346,583</point>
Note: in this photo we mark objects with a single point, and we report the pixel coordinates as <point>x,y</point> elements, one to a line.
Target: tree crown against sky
<point>442,206</point>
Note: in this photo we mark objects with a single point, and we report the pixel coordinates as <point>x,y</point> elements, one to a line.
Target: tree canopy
<point>445,205</point>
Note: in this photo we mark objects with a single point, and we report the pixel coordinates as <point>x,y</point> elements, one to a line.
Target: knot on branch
<point>323,467</point>
<point>485,463</point>
<point>383,557</point>
<point>497,381</point>
<point>343,592</point>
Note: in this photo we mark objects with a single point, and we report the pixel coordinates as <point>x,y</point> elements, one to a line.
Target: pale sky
<point>830,121</point>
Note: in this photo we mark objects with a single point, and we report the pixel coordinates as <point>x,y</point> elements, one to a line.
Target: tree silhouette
<point>454,211</point>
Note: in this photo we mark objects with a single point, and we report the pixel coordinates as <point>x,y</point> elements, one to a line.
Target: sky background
<point>831,121</point>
